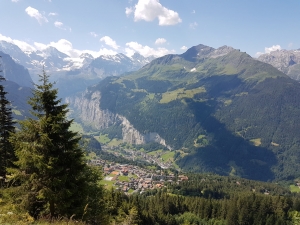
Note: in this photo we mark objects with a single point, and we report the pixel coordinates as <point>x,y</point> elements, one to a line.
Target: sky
<point>150,27</point>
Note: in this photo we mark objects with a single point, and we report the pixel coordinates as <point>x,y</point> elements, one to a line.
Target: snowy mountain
<point>81,71</point>
<point>14,72</point>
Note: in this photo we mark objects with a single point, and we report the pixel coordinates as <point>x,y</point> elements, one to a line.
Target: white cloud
<point>145,51</point>
<point>32,12</point>
<point>110,42</point>
<point>149,10</point>
<point>160,41</point>
<point>52,14</point>
<point>62,45</point>
<point>21,44</point>
<point>14,0</point>
<point>93,34</point>
<point>66,47</point>
<point>273,48</point>
<point>268,50</point>
<point>184,48</point>
<point>193,12</point>
<point>129,10</point>
<point>193,25</point>
<point>60,25</point>
<point>102,51</point>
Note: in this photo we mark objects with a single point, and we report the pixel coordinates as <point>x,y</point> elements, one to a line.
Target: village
<point>134,179</point>
<point>133,155</point>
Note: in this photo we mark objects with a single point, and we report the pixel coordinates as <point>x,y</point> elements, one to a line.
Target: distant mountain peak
<point>196,52</point>
<point>223,50</point>
<point>287,61</point>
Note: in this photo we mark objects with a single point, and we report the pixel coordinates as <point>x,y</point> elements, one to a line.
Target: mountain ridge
<point>207,103</point>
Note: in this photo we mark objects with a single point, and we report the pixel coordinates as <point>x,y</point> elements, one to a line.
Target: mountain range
<point>287,61</point>
<point>80,72</point>
<point>221,109</point>
<point>18,85</point>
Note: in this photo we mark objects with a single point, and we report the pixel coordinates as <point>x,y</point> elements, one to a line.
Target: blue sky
<point>150,27</point>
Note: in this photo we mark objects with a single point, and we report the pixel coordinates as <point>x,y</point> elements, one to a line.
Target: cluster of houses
<point>133,155</point>
<point>136,179</point>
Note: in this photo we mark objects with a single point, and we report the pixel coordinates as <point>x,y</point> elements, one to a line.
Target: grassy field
<point>108,184</point>
<point>76,127</point>
<point>256,142</point>
<point>294,188</point>
<point>155,152</point>
<point>103,139</point>
<point>124,178</point>
<point>168,156</point>
<point>115,142</point>
<point>180,93</point>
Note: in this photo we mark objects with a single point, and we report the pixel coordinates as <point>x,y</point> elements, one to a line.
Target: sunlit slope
<point>231,114</point>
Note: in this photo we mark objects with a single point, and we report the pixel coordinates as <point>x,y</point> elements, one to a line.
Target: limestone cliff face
<point>133,136</point>
<point>89,112</point>
<point>287,61</point>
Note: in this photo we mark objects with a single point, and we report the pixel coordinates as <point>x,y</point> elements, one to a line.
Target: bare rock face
<point>287,61</point>
<point>224,50</point>
<point>90,113</point>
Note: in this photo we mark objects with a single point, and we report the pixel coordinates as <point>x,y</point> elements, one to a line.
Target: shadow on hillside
<point>227,152</point>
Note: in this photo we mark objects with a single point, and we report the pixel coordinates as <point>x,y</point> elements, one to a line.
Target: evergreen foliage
<point>219,200</point>
<point>7,156</point>
<point>55,179</point>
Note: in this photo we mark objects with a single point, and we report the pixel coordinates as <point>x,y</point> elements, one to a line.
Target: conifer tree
<point>7,155</point>
<point>51,168</point>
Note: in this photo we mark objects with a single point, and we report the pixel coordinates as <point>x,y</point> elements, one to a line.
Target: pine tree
<point>51,168</point>
<point>7,155</point>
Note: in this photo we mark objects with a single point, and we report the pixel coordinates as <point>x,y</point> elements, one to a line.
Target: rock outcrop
<point>89,112</point>
<point>287,61</point>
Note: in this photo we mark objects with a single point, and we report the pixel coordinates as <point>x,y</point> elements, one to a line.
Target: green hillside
<point>247,110</point>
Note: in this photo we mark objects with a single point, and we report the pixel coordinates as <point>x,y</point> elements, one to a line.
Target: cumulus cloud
<point>110,42</point>
<point>52,14</point>
<point>32,12</point>
<point>62,45</point>
<point>184,48</point>
<point>193,25</point>
<point>93,34</point>
<point>61,26</point>
<point>160,41</point>
<point>149,10</point>
<point>268,50</point>
<point>58,24</point>
<point>145,51</point>
<point>129,10</point>
<point>66,47</point>
<point>21,44</point>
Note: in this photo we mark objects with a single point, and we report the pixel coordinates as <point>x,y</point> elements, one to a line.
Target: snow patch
<point>193,70</point>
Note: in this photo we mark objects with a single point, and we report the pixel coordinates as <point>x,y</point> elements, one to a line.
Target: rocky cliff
<point>287,61</point>
<point>88,111</point>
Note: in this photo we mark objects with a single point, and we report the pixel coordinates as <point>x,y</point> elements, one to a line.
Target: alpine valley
<point>218,110</point>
